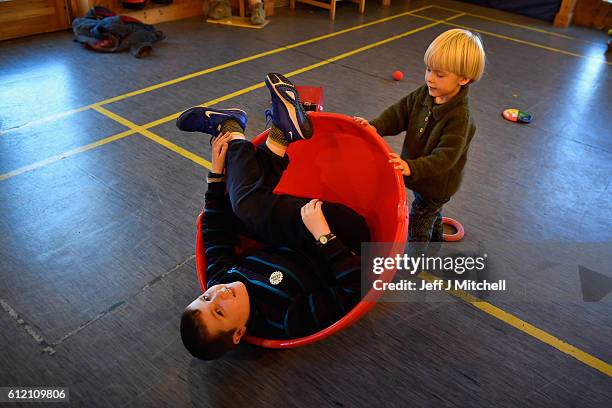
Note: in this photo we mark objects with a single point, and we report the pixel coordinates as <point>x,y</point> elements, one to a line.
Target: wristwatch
<point>324,239</point>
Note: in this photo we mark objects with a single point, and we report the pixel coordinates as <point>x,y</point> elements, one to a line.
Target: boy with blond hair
<point>439,128</point>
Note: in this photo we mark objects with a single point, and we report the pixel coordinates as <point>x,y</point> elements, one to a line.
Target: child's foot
<point>208,120</point>
<point>287,111</point>
<point>221,10</point>
<point>258,15</point>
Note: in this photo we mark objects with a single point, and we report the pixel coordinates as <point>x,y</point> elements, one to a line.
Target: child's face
<point>223,307</point>
<point>443,85</point>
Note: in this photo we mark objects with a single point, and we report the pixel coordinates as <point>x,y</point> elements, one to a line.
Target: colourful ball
<point>398,75</point>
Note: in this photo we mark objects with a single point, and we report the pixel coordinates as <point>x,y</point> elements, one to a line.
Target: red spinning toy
<point>346,163</point>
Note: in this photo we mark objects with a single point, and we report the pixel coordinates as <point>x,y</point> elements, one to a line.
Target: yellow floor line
<point>216,68</point>
<point>296,72</point>
<point>496,20</point>
<point>517,40</point>
<point>177,149</point>
<point>301,70</point>
<point>506,317</point>
<point>143,128</point>
<point>158,139</point>
<point>207,103</point>
<point>257,56</point>
<point>364,48</point>
<point>486,307</point>
<point>527,328</point>
<point>64,155</point>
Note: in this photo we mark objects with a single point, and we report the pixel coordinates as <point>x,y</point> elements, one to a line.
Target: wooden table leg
<point>565,14</point>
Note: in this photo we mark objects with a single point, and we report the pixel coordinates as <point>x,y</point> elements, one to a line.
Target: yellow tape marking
<point>143,128</point>
<point>527,328</point>
<point>158,139</point>
<point>517,40</point>
<point>64,155</point>
<point>496,20</point>
<point>215,68</point>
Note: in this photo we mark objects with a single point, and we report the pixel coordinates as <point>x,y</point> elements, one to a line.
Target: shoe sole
<point>272,80</point>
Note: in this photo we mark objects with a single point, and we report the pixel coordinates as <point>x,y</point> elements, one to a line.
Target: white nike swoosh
<point>207,113</point>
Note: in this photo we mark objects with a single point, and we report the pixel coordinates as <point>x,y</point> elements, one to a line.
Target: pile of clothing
<point>104,31</point>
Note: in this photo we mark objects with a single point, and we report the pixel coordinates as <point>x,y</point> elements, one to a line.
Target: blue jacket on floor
<point>102,30</point>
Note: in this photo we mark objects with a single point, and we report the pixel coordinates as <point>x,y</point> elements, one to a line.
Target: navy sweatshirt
<point>292,293</point>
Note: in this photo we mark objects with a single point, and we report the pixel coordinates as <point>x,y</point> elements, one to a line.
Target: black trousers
<point>252,173</point>
<point>425,223</point>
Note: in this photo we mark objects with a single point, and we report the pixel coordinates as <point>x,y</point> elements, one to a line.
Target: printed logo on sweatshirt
<point>276,277</point>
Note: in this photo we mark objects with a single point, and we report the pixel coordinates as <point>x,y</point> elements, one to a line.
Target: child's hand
<point>361,121</point>
<point>313,218</point>
<point>219,152</point>
<point>399,164</point>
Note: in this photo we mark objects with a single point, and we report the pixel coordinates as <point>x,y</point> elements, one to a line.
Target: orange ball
<point>398,75</point>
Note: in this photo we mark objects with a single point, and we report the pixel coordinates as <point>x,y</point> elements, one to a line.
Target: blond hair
<point>458,51</point>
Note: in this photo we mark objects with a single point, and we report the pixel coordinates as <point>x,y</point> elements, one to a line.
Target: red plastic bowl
<point>346,163</point>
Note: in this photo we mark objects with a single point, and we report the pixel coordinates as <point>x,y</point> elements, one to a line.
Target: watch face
<point>323,240</point>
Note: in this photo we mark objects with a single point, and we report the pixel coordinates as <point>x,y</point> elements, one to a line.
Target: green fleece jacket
<point>437,139</point>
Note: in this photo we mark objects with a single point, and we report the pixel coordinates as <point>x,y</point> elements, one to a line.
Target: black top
<point>292,293</point>
<point>437,139</point>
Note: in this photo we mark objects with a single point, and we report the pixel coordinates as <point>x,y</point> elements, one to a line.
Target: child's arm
<point>320,309</point>
<point>394,119</point>
<point>399,164</point>
<point>323,308</point>
<point>364,122</point>
<point>445,155</point>
<point>217,233</point>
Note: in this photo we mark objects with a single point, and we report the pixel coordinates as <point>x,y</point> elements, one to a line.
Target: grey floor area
<point>97,246</point>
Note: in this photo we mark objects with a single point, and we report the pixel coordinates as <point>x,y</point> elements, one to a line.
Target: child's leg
<point>437,234</point>
<point>252,175</point>
<point>423,214</point>
<point>253,169</point>
<point>258,14</point>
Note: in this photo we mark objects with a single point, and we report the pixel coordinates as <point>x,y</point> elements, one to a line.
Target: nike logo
<point>207,113</point>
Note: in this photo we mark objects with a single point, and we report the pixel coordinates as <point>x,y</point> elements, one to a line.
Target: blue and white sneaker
<point>208,120</point>
<point>287,112</point>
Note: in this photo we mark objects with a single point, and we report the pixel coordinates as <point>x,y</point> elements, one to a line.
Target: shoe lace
<point>268,113</point>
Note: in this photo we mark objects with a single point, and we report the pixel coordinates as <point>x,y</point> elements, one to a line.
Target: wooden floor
<point>98,201</point>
